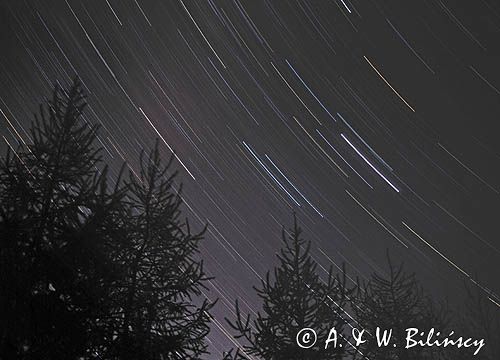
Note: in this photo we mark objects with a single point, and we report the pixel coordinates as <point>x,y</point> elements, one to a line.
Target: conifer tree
<point>163,273</point>
<point>55,216</point>
<point>479,319</point>
<point>396,302</point>
<point>294,298</point>
<point>87,269</point>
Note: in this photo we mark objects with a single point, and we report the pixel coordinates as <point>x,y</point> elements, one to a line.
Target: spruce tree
<point>163,315</point>
<point>396,302</point>
<point>90,269</point>
<point>479,318</point>
<point>55,216</point>
<point>294,298</point>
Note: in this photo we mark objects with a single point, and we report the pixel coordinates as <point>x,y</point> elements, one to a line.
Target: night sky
<point>375,121</point>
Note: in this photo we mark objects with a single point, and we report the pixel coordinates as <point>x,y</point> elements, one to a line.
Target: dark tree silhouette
<point>163,274</point>
<point>87,269</point>
<point>480,318</point>
<point>396,302</point>
<point>56,216</point>
<point>295,298</point>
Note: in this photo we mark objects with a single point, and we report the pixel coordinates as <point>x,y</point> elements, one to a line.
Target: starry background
<point>376,121</point>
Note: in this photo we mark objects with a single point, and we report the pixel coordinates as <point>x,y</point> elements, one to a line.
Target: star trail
<point>375,121</point>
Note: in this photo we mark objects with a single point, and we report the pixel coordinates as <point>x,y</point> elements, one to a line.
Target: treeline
<point>92,268</point>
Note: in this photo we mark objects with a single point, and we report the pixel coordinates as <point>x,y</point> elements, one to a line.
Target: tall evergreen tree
<point>480,319</point>
<point>90,270</point>
<point>55,215</point>
<point>160,317</point>
<point>295,298</point>
<point>396,302</point>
